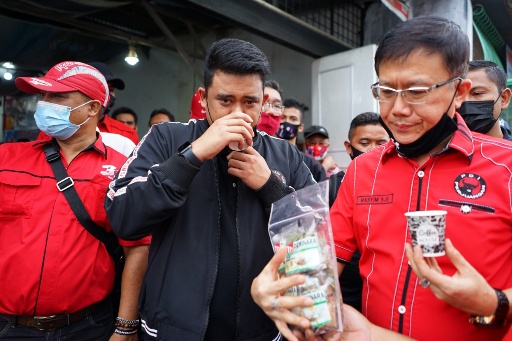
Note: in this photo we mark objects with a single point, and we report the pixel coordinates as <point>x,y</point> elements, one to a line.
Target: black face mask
<point>111,103</point>
<point>478,115</point>
<point>428,141</point>
<point>355,152</point>
<point>287,131</point>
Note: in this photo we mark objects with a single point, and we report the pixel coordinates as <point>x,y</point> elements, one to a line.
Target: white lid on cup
<point>425,213</point>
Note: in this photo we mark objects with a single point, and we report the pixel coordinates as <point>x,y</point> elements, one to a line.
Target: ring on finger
<point>275,303</point>
<point>425,283</point>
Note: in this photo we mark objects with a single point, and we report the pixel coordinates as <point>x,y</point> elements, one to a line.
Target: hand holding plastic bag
<point>300,221</point>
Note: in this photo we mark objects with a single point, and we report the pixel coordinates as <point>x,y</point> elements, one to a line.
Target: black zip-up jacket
<point>158,191</point>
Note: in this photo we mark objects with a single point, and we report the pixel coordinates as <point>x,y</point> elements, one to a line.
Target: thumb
<point>250,150</point>
<point>276,261</point>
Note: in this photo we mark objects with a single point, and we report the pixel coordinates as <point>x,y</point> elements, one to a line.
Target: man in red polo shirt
<point>433,162</point>
<point>56,276</point>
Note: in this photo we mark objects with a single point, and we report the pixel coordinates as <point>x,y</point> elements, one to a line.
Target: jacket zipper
<point>409,269</point>
<point>239,261</point>
<point>212,288</point>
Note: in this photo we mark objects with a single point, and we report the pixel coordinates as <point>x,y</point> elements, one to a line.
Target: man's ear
<point>462,92</point>
<point>301,128</point>
<point>94,108</point>
<point>348,147</point>
<point>202,96</point>
<point>505,98</point>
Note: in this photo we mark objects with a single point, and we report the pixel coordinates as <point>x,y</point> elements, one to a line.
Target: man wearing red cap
<point>56,276</point>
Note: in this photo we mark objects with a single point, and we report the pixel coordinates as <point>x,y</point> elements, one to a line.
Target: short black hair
<point>435,35</point>
<point>125,110</point>
<point>274,85</point>
<point>494,72</point>
<point>364,119</point>
<point>235,57</point>
<point>161,111</point>
<point>293,103</point>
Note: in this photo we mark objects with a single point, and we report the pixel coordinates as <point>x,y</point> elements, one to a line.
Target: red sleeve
<point>143,241</point>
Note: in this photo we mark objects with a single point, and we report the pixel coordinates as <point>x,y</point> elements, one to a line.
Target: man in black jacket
<point>204,190</point>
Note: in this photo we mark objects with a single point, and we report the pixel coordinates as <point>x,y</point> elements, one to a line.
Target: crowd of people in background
<point>187,206</point>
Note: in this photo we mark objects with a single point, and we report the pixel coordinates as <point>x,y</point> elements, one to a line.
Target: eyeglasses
<point>277,107</point>
<point>414,95</point>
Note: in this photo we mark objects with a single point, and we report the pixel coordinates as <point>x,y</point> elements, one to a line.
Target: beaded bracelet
<point>121,322</point>
<point>125,332</point>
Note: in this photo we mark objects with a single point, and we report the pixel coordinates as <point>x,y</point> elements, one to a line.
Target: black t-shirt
<point>223,308</point>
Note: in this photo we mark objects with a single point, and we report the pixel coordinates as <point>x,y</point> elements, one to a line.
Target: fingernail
<point>308,301</point>
<point>304,324</point>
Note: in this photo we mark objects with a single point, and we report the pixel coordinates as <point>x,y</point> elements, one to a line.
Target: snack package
<point>300,221</point>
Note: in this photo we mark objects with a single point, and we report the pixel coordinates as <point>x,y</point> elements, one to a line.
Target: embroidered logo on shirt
<point>470,186</point>
<point>374,199</point>
<point>280,176</point>
<point>109,171</point>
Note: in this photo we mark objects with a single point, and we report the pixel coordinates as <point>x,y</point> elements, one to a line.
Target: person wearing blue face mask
<point>487,98</point>
<point>57,276</point>
<point>291,125</point>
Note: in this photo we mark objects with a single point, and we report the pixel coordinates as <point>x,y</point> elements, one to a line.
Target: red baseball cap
<point>67,77</point>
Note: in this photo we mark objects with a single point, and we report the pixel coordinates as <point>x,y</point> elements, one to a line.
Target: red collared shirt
<point>49,264</point>
<point>472,180</point>
<point>109,125</point>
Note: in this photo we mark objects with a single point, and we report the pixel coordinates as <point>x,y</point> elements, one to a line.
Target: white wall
<point>165,80</point>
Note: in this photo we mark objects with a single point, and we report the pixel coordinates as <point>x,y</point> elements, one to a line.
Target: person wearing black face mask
<point>365,133</point>
<point>432,162</point>
<point>487,98</point>
<point>291,125</point>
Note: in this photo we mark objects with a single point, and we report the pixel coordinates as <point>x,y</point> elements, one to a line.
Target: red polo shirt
<point>472,180</point>
<point>109,125</point>
<point>49,264</point>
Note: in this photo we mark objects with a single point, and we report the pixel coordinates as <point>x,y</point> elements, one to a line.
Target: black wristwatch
<point>499,316</point>
<point>186,151</point>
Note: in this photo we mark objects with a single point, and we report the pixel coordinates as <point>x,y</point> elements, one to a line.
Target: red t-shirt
<point>368,214</point>
<point>49,263</point>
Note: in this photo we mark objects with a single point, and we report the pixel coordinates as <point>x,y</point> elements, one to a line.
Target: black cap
<point>109,76</point>
<point>315,130</point>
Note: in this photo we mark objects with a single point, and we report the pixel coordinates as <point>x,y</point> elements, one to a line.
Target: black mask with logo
<point>478,115</point>
<point>355,152</point>
<point>287,130</point>
<point>428,141</point>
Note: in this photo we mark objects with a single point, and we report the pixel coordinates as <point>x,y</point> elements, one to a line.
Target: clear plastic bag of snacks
<point>300,221</point>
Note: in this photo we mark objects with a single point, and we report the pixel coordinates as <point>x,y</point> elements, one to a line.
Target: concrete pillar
<point>455,10</point>
<point>458,11</point>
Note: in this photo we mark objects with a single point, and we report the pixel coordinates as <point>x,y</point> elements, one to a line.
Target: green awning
<point>489,51</point>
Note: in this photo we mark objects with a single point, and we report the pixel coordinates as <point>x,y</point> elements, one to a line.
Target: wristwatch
<point>186,151</point>
<point>499,316</point>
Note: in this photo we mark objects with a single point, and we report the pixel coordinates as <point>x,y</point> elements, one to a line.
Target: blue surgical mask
<point>53,120</point>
